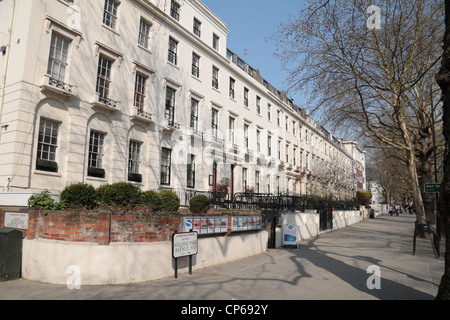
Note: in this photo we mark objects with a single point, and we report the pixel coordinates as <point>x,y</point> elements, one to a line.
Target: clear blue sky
<point>251,24</point>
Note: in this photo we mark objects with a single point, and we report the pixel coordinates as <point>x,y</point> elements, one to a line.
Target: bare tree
<point>387,167</point>
<point>336,177</point>
<point>365,77</point>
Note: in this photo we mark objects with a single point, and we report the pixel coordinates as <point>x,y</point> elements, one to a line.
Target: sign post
<point>184,244</point>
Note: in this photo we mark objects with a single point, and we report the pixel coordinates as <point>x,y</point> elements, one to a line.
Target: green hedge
<point>169,200</point>
<point>120,194</point>
<point>79,195</point>
<point>199,204</point>
<point>116,196</point>
<point>151,199</point>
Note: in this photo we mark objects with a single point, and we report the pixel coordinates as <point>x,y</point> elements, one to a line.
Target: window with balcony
<point>258,141</point>
<point>139,92</point>
<point>279,150</point>
<point>231,130</point>
<point>170,106</point>
<point>246,135</point>
<point>194,115</point>
<point>214,122</point>
<point>287,153</point>
<point>103,78</point>
<point>57,62</point>
<point>294,154</point>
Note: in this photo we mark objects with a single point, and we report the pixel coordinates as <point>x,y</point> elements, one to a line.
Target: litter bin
<point>10,254</point>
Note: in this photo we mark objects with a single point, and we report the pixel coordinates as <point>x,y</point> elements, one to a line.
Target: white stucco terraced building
<point>147,91</point>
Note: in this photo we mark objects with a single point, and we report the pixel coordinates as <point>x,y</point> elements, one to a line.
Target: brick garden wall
<point>101,228</point>
<point>105,227</point>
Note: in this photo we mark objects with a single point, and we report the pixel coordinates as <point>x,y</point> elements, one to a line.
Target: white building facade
<point>147,91</point>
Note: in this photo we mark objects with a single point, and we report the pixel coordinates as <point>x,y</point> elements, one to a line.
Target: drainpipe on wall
<point>8,49</point>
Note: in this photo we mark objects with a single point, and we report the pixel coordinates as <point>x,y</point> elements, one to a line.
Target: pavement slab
<point>371,260</point>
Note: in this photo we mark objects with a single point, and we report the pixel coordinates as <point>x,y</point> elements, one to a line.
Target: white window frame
<point>144,33</point>
<point>110,13</point>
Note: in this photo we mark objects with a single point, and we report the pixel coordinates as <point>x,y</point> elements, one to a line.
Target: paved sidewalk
<point>332,266</point>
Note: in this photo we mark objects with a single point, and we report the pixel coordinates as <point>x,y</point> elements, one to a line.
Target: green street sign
<point>432,188</point>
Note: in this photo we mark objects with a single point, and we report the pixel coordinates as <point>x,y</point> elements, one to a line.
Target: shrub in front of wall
<point>151,199</point>
<point>363,198</point>
<point>199,204</point>
<point>79,195</point>
<point>169,200</point>
<point>120,194</point>
<point>44,201</point>
<point>101,193</point>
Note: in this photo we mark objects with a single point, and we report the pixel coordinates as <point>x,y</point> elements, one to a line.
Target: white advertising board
<point>290,235</point>
<point>16,220</point>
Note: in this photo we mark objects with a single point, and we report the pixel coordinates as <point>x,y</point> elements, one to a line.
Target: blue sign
<point>290,235</point>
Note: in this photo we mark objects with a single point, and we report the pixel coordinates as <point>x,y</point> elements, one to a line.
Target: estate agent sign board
<point>184,244</point>
<point>16,220</point>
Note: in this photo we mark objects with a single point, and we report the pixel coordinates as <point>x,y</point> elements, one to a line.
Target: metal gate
<point>325,217</point>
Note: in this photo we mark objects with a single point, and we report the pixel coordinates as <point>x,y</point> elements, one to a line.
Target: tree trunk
<point>417,194</point>
<point>411,163</point>
<point>443,79</point>
<point>425,176</point>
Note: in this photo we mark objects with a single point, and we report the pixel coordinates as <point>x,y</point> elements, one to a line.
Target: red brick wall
<point>101,228</point>
<point>104,228</point>
<point>143,228</point>
<point>2,219</point>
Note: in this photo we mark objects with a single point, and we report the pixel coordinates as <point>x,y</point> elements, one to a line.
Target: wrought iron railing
<point>261,201</point>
